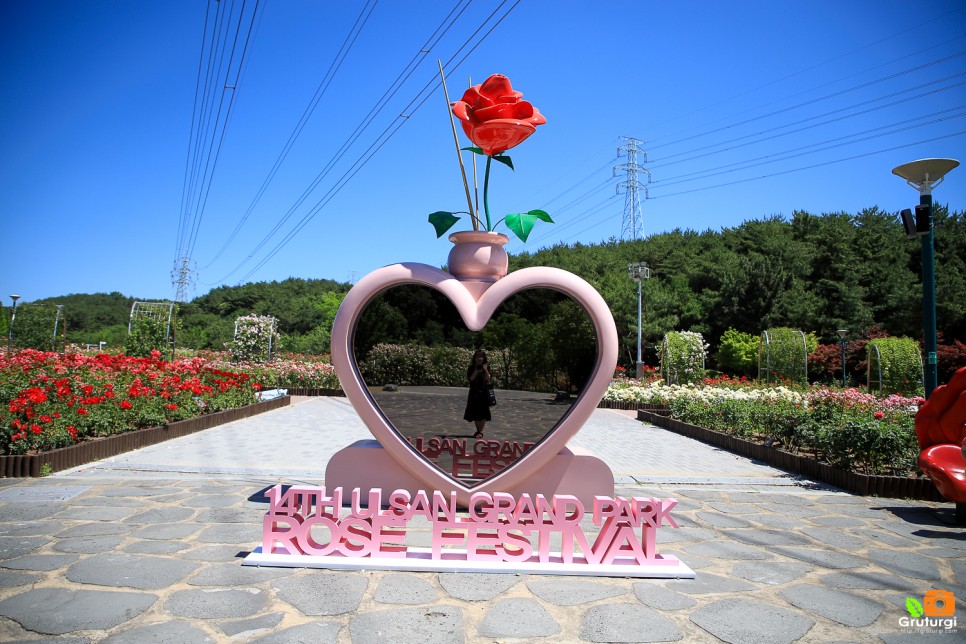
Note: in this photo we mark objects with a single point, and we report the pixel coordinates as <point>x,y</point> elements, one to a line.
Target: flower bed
<point>52,400</point>
<point>847,429</point>
<point>291,371</point>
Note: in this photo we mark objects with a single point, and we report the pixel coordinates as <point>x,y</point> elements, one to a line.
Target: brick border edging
<point>661,410</point>
<point>28,465</point>
<point>314,391</point>
<point>897,487</point>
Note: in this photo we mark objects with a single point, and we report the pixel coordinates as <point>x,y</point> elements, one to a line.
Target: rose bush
<point>50,400</point>
<point>848,429</point>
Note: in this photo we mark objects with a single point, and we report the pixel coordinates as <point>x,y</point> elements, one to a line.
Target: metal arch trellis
<point>765,350</point>
<point>59,322</point>
<point>161,311</point>
<point>665,356</point>
<point>878,364</point>
<point>272,330</point>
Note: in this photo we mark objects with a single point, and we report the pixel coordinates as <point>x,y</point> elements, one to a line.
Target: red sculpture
<point>495,117</point>
<point>941,431</point>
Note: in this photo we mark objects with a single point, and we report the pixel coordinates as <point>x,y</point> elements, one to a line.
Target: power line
<point>414,105</point>
<point>320,91</point>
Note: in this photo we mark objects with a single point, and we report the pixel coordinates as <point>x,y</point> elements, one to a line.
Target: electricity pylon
<point>633,227</point>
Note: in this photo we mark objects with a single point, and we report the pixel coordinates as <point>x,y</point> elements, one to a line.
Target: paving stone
<point>795,500</point>
<point>439,624</point>
<point>734,508</point>
<point>838,522</point>
<point>121,490</point>
<point>959,569</point>
<point>768,537</point>
<point>211,501</point>
<point>779,521</point>
<point>216,603</point>
<point>131,571</point>
<point>673,535</point>
<point>566,592</point>
<point>883,538</point>
<point>773,573</point>
<point>95,529</point>
<point>13,579</point>
<point>708,583</point>
<point>314,633</point>
<point>905,563</point>
<point>751,622</point>
<point>661,598</point>
<point>402,588</point>
<point>856,511</point>
<point>212,553</point>
<point>693,562</point>
<point>250,627</point>
<point>13,547</point>
<point>234,515</point>
<point>234,574</point>
<point>94,513</point>
<point>723,520</point>
<point>627,623</point>
<point>726,550</point>
<point>836,538</point>
<point>56,611</point>
<point>114,502</point>
<point>161,515</point>
<point>821,557</point>
<point>844,608</point>
<point>168,532</point>
<point>40,563</point>
<point>919,638</point>
<point>866,581</point>
<point>88,545</point>
<point>148,547</point>
<point>791,510</point>
<point>25,512</point>
<point>518,617</point>
<point>173,631</point>
<point>232,533</point>
<point>32,529</point>
<point>941,553</point>
<point>317,593</point>
<point>476,587</point>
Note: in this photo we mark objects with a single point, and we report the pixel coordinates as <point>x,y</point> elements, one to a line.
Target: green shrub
<point>738,352</point>
<point>416,365</point>
<point>150,331</point>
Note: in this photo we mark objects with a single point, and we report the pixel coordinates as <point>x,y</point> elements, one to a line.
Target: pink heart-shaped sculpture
<point>476,311</point>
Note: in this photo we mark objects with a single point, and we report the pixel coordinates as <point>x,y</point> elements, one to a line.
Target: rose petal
<point>519,111</point>
<point>500,135</point>
<point>496,86</point>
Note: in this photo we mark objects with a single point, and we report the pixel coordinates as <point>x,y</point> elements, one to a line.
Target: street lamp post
<point>13,316</point>
<point>842,333</point>
<point>638,271</point>
<point>924,175</point>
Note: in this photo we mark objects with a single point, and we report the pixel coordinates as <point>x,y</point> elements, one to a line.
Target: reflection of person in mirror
<point>478,400</point>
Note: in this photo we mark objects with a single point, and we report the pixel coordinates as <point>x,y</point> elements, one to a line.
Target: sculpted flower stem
<point>486,192</point>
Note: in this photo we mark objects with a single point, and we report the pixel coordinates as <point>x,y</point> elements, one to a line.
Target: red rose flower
<point>126,404</point>
<point>494,117</point>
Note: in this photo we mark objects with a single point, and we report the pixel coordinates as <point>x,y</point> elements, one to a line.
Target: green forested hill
<point>816,273</point>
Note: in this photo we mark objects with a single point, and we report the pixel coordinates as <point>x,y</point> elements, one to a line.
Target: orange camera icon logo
<point>939,603</point>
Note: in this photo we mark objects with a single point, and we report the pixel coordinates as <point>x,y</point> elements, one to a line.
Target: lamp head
<point>842,333</point>
<point>925,173</point>
<point>14,298</point>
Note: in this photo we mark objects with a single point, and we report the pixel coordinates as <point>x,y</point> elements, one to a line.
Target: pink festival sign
<point>498,506</point>
<point>307,526</point>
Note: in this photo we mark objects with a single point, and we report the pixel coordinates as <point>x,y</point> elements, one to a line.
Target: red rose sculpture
<point>494,117</point>
<point>941,430</point>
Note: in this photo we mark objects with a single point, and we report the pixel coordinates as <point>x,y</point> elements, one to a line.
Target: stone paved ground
<point>147,548</point>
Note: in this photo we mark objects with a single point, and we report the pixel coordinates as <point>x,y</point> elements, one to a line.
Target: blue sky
<point>746,110</point>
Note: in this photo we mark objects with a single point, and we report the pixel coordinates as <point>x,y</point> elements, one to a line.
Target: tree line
<point>818,273</point>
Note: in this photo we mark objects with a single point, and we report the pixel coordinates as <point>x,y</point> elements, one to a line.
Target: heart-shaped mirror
<point>430,376</point>
<point>376,308</point>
